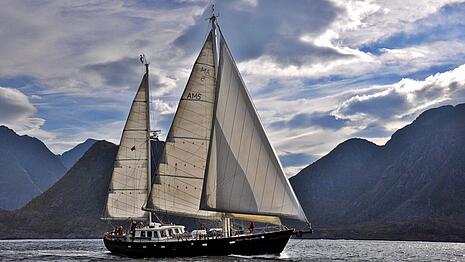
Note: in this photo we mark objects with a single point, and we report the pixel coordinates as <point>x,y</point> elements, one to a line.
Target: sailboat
<point>217,164</point>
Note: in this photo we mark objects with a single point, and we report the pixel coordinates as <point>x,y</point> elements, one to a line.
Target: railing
<point>186,236</point>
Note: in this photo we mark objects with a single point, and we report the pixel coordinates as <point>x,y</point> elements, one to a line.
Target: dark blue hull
<point>257,244</point>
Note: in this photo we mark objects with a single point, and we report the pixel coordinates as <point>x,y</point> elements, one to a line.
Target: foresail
<point>179,179</point>
<point>243,172</point>
<point>128,187</point>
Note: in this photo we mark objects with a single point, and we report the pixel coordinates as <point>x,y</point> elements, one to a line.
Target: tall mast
<point>213,25</point>
<point>226,220</point>
<point>149,150</point>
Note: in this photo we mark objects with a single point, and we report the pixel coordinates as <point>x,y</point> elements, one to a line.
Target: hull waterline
<point>256,244</point>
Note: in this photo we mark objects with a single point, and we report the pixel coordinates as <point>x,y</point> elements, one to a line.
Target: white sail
<point>243,172</point>
<point>178,184</point>
<point>129,184</point>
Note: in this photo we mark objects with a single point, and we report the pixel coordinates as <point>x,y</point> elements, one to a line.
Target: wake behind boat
<point>217,165</point>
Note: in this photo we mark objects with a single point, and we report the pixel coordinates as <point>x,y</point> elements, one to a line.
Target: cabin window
<point>158,234</point>
<point>173,231</point>
<point>142,234</point>
<point>149,234</point>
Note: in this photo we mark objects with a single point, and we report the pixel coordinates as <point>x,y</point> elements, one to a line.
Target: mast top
<point>144,61</point>
<point>213,17</point>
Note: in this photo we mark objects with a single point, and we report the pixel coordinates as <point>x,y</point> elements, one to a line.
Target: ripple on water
<point>297,250</point>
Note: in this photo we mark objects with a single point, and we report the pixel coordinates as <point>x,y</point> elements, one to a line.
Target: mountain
<point>27,168</point>
<point>71,208</point>
<point>413,187</point>
<point>70,157</point>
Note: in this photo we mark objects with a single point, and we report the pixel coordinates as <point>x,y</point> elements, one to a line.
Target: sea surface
<point>296,250</point>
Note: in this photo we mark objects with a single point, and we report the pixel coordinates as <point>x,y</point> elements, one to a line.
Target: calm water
<point>296,250</point>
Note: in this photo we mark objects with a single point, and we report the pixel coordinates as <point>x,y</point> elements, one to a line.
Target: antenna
<point>143,60</point>
<point>213,17</point>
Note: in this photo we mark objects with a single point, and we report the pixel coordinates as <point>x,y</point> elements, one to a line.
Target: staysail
<point>129,184</point>
<point>243,173</point>
<point>178,184</point>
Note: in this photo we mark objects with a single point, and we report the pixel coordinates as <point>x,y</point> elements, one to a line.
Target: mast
<point>225,219</point>
<point>149,159</point>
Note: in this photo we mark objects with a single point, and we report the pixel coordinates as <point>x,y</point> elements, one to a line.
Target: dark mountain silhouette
<point>70,157</point>
<point>413,187</point>
<point>27,168</point>
<point>71,208</point>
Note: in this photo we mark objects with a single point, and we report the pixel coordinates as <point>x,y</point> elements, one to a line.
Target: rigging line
<point>205,64</point>
<point>185,183</point>
<point>256,169</point>
<point>186,138</point>
<point>248,161</point>
<point>187,130</point>
<point>264,184</point>
<point>187,177</point>
<point>238,154</point>
<point>186,109</point>
<point>185,202</point>
<point>200,100</point>
<point>274,188</point>
<point>184,160</point>
<point>191,154</point>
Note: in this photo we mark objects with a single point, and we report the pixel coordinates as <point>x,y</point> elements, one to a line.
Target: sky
<point>319,72</point>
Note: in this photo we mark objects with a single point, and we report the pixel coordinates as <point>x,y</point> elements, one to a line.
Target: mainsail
<point>243,173</point>
<point>217,160</point>
<point>129,184</point>
<point>179,178</point>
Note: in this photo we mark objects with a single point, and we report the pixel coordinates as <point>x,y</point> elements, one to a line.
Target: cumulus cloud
<point>313,120</point>
<point>17,112</point>
<point>319,71</point>
<point>14,105</point>
<point>269,28</point>
<point>406,97</point>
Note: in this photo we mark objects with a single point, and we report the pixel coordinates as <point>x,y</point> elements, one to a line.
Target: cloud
<point>406,97</point>
<point>296,159</point>
<point>319,71</point>
<point>269,28</point>
<point>366,22</point>
<point>122,72</point>
<point>14,105</point>
<point>17,112</point>
<point>313,120</point>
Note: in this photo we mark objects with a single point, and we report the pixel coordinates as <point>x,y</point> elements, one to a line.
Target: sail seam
<point>126,189</point>
<point>203,101</point>
<point>185,137</point>
<point>205,64</point>
<point>230,138</point>
<point>188,177</point>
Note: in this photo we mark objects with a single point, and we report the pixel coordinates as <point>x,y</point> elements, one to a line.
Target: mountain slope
<point>70,157</point>
<point>418,177</point>
<point>71,208</point>
<point>27,168</point>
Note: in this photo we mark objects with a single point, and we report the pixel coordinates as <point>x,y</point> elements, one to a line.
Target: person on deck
<point>133,227</point>
<point>251,227</point>
<point>240,231</point>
